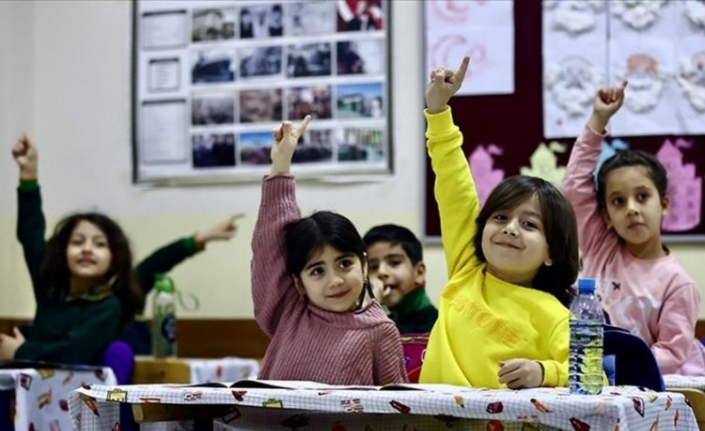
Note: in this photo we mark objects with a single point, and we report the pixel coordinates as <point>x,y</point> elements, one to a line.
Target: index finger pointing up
<point>304,124</point>
<point>462,70</point>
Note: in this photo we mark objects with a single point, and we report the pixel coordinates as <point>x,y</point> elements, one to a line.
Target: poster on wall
<point>505,136</point>
<point>658,46</point>
<point>482,29</point>
<point>212,79</point>
<point>574,63</point>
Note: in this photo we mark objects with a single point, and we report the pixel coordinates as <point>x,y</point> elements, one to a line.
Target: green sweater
<point>414,314</point>
<point>76,331</point>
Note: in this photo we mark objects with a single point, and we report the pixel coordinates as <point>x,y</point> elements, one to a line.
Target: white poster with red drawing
<point>482,29</point>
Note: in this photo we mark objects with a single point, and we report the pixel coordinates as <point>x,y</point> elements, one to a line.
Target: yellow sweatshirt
<point>482,319</point>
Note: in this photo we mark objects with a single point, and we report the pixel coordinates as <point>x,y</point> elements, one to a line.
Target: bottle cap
<point>164,284</point>
<point>586,285</point>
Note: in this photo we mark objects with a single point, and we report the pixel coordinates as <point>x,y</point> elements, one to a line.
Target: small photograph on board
<point>163,137</point>
<point>254,148</point>
<point>215,65</point>
<point>213,24</point>
<point>314,100</point>
<point>164,74</point>
<point>261,62</point>
<point>258,106</point>
<point>360,100</point>
<point>209,109</point>
<point>261,21</point>
<point>309,18</point>
<point>360,57</point>
<point>161,30</point>
<point>213,150</point>
<point>310,59</point>
<point>360,144</point>
<point>360,15</point>
<point>315,146</point>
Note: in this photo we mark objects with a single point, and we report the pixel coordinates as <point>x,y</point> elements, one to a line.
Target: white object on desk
<point>222,370</point>
<point>678,381</point>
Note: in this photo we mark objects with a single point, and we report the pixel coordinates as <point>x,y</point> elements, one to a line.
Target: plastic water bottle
<point>586,341</point>
<point>164,318</point>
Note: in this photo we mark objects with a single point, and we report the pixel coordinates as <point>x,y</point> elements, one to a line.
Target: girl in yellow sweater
<point>503,320</point>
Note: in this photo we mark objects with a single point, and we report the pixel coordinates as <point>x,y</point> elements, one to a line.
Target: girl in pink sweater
<point>310,289</point>
<point>642,287</point>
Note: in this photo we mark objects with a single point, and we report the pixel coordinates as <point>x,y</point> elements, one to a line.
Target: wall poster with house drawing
<point>565,52</point>
<point>659,47</point>
<point>213,78</point>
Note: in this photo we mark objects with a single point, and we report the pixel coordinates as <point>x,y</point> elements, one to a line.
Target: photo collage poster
<point>214,78</point>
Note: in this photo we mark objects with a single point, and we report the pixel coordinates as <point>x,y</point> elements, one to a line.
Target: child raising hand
<point>642,287</point>
<point>503,320</point>
<point>310,289</point>
<point>82,278</point>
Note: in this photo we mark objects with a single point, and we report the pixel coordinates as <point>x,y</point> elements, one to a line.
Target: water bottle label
<point>585,364</point>
<point>168,329</point>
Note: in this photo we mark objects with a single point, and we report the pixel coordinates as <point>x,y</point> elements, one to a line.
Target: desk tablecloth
<point>41,395</point>
<point>439,407</point>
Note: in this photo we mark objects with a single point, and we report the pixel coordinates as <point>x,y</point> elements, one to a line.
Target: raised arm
<point>167,257</point>
<point>31,226</point>
<point>579,184</point>
<point>273,290</point>
<point>454,188</point>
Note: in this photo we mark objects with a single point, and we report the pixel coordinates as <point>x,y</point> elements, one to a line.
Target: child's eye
<point>395,262</point>
<point>374,268</point>
<point>500,217</point>
<point>345,263</point>
<point>530,225</point>
<point>643,196</point>
<point>617,201</point>
<point>316,271</point>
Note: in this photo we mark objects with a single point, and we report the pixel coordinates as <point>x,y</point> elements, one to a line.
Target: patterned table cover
<point>430,407</point>
<point>41,395</point>
<point>673,381</point>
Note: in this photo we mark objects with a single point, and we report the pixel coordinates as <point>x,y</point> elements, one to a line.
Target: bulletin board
<point>211,79</point>
<point>509,130</point>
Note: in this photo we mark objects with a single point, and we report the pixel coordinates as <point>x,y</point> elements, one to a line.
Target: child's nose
<point>632,207</point>
<point>510,229</point>
<point>336,281</point>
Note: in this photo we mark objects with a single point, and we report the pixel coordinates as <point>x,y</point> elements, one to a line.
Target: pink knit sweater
<point>309,343</point>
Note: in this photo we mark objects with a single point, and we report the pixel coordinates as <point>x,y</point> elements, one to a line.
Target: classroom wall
<point>65,77</point>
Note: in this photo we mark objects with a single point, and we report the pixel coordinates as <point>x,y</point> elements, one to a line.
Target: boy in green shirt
<point>395,257</point>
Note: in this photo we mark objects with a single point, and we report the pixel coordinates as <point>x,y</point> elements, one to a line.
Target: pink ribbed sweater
<point>309,343</point>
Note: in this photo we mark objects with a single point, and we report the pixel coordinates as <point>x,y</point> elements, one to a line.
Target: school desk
<point>336,409</point>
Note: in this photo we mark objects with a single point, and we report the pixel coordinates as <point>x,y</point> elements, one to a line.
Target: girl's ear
<point>606,218</point>
<point>665,205</point>
<point>299,286</point>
